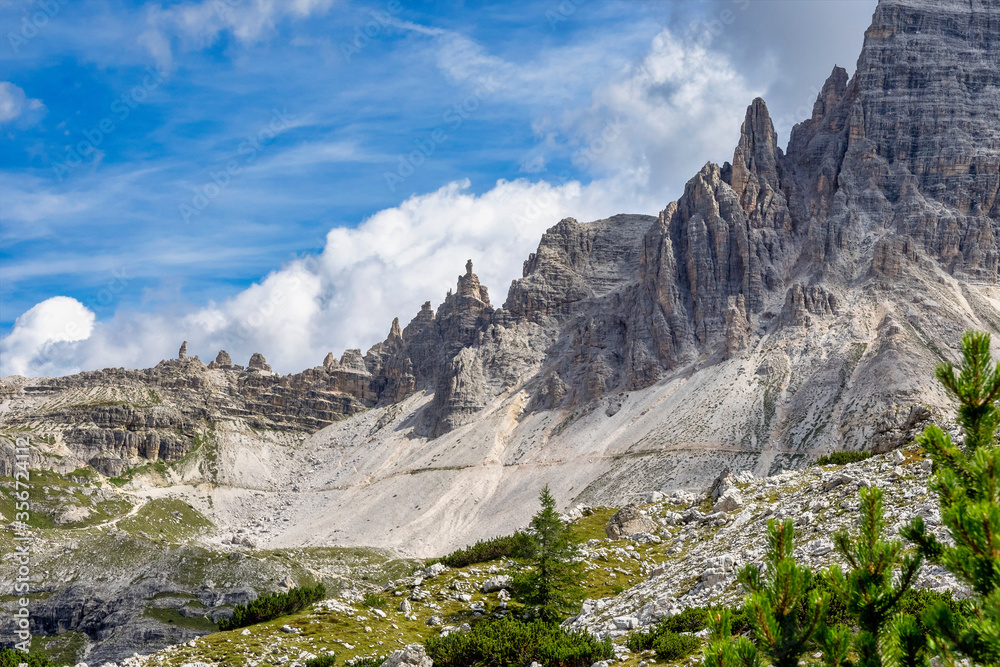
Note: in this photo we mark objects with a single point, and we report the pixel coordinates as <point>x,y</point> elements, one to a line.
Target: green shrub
<point>692,619</point>
<point>918,600</point>
<point>506,546</point>
<point>375,601</point>
<point>673,646</point>
<point>11,658</point>
<point>270,607</point>
<point>842,458</point>
<point>515,643</point>
<point>367,662</point>
<point>836,610</point>
<point>321,661</point>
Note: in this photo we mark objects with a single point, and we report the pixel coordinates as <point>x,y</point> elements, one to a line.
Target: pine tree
<point>777,594</point>
<point>550,587</point>
<point>868,589</point>
<point>967,484</point>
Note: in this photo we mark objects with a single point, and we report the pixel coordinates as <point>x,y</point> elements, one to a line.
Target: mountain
<point>789,303</point>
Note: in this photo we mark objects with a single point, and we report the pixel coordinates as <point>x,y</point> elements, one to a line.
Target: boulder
<point>500,582</point>
<point>413,655</point>
<point>434,570</point>
<point>629,520</point>
<point>729,501</point>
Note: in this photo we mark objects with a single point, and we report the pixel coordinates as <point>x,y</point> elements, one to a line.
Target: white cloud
<point>666,116</point>
<point>660,118</point>
<point>42,337</point>
<point>15,104</point>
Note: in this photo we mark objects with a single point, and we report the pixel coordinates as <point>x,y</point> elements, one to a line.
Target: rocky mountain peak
<point>832,93</point>
<point>469,285</point>
<point>755,161</point>
<point>395,334</point>
<point>183,352</point>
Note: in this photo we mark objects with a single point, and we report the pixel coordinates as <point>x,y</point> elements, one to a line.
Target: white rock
<point>434,570</point>
<point>497,583</point>
<point>413,655</point>
<point>729,501</point>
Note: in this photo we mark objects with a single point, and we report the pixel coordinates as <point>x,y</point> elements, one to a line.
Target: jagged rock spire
<point>183,352</point>
<point>755,161</point>
<point>833,91</point>
<point>469,285</point>
<point>395,334</point>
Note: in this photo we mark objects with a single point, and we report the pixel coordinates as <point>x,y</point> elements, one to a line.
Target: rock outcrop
<point>628,521</point>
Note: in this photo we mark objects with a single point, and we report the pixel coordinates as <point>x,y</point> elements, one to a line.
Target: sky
<point>286,176</point>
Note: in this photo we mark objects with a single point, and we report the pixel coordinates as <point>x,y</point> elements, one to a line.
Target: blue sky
<point>286,177</point>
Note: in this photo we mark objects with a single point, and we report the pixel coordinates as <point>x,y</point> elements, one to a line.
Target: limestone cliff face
<point>814,271</point>
<point>910,144</point>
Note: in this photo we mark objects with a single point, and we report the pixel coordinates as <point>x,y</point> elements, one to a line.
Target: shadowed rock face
<point>888,191</point>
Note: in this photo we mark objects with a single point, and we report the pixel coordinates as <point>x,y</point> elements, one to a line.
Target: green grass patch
<point>375,601</point>
<point>174,617</point>
<point>67,648</point>
<point>11,658</point>
<point>167,519</point>
<point>591,526</point>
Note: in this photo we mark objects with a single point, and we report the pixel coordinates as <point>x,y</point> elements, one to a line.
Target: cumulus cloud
<point>660,118</point>
<point>15,104</point>
<point>43,337</point>
<point>679,107</point>
<point>656,121</point>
